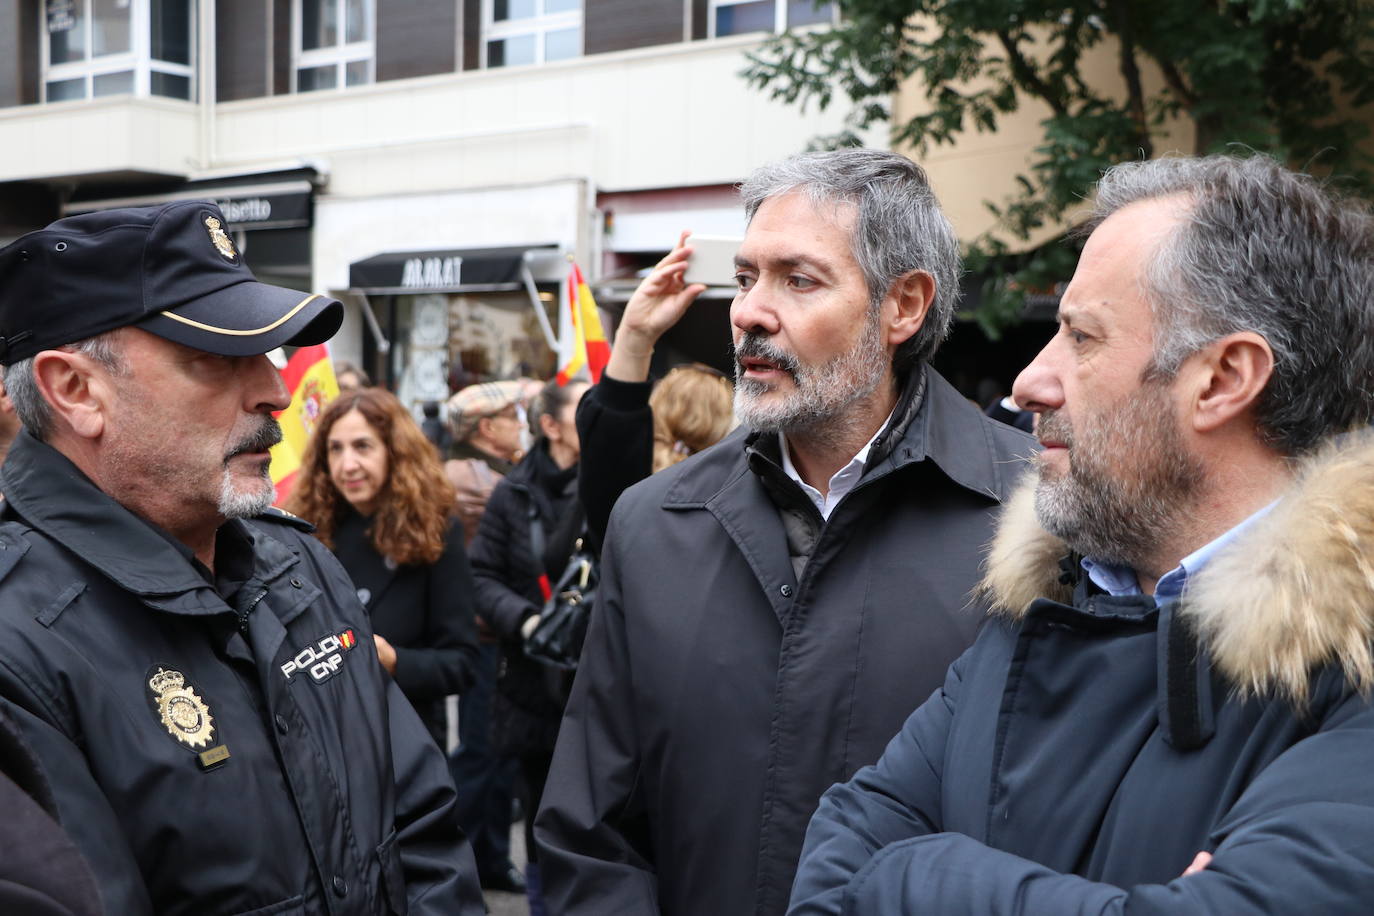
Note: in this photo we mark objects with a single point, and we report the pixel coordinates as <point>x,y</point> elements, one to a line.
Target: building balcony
<point>119,138</point>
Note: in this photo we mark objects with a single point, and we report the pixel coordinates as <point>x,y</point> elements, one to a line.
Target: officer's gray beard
<point>1130,482</point>
<point>823,394</point>
<point>238,500</point>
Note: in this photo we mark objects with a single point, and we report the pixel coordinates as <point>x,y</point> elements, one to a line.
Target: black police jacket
<point>230,748</point>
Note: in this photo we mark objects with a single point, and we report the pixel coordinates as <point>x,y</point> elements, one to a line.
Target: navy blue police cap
<point>171,270</point>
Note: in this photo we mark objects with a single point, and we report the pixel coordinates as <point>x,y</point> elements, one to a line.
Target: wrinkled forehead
<point>1115,266</point>
<point>790,229</point>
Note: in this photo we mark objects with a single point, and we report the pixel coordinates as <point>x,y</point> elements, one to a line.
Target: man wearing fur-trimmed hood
<point>1170,710</point>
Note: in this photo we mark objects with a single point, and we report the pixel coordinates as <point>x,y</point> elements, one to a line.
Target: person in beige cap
<point>486,426</point>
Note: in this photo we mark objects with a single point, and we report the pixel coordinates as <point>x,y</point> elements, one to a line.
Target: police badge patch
<point>181,711</point>
<point>223,244</point>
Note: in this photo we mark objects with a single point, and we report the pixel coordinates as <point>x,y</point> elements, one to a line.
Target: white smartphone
<point>713,259</point>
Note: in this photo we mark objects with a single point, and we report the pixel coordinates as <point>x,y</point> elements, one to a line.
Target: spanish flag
<point>589,345</point>
<point>310,376</point>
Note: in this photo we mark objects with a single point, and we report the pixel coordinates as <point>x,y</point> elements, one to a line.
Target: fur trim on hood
<point>1293,592</point>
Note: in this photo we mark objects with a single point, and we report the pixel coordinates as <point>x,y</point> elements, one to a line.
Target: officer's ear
<point>78,389</point>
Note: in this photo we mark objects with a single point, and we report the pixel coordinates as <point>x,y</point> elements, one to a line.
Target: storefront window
<point>532,31</point>
<point>334,44</point>
<point>95,48</point>
<point>441,341</point>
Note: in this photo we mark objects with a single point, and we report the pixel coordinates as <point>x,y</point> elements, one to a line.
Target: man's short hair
<point>899,227</point>
<point>1260,248</point>
<point>30,406</point>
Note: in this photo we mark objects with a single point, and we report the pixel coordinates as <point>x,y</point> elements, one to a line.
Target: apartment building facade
<point>434,163</point>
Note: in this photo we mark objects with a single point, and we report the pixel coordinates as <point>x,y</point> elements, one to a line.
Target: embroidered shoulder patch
<point>323,658</point>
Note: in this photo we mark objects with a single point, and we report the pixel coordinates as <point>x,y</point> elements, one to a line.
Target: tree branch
<point>1027,76</point>
<point>1175,81</point>
<point>1130,72</point>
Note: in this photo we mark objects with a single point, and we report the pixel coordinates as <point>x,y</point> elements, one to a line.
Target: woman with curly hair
<point>693,408</point>
<point>374,489</point>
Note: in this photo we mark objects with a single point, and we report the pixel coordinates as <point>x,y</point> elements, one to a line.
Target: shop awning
<point>454,270</point>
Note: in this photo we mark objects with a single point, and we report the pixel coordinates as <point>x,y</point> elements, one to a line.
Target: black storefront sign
<point>265,211</point>
<point>432,271</point>
<point>280,199</point>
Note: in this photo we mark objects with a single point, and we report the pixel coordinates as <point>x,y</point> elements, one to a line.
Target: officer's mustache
<point>759,347</point>
<point>261,439</point>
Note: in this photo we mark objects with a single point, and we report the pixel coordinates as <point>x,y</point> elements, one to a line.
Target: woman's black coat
<point>425,612</point>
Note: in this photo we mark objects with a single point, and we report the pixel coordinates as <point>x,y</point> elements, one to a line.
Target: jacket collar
<point>51,495</point>
<point>538,469</point>
<point>464,451</point>
<point>1292,592</point>
<point>931,421</point>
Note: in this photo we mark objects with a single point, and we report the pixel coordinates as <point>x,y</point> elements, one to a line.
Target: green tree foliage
<point>1293,78</point>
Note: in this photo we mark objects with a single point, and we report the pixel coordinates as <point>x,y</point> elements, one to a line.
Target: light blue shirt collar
<point>1121,580</point>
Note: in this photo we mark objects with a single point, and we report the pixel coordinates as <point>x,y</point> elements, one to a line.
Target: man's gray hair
<point>899,227</point>
<point>1263,249</point>
<point>29,405</point>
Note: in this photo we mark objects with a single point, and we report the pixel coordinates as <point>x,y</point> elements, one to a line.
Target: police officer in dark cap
<point>191,669</point>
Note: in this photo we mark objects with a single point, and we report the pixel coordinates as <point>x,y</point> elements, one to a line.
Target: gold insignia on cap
<point>223,243</point>
<point>184,714</point>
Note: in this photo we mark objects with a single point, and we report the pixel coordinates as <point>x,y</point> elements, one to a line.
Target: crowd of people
<point>854,646</point>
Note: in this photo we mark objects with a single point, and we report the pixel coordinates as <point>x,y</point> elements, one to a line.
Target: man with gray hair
<point>191,669</point>
<point>1169,711</point>
<point>772,608</point>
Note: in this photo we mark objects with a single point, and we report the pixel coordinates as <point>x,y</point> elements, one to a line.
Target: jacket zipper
<point>243,618</point>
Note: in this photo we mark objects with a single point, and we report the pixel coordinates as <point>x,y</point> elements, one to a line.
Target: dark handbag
<point>557,639</point>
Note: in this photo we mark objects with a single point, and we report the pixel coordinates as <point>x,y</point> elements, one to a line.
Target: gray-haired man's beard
<point>239,500</point>
<point>821,394</point>
<point>1129,484</point>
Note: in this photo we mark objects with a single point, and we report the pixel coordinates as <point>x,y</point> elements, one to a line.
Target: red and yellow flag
<point>589,346</point>
<point>309,374</point>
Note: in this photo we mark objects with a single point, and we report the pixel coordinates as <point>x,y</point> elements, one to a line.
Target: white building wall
<point>662,116</point>
<point>352,229</point>
<point>512,156</point>
<point>667,116</point>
